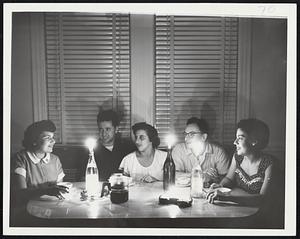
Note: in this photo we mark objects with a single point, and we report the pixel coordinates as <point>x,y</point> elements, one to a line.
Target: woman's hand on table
<point>213,195</point>
<point>56,190</point>
<point>213,173</point>
<point>148,179</point>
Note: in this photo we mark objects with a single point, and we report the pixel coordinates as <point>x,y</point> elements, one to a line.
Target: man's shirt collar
<point>208,149</point>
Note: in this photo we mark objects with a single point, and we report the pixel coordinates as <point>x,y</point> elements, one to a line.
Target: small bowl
<point>183,181</point>
<point>224,190</point>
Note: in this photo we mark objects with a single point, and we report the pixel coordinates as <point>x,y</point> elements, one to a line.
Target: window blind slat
<point>204,49</point>
<point>90,66</point>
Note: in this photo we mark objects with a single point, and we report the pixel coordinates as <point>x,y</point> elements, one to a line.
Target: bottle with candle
<point>169,168</point>
<point>91,175</point>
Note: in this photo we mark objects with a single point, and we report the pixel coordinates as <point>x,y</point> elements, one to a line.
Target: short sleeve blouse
<point>39,173</point>
<point>251,184</point>
<point>131,166</point>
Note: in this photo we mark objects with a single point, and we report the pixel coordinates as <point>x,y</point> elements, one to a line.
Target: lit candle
<point>170,139</point>
<point>90,143</point>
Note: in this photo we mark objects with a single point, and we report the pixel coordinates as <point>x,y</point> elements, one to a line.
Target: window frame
<point>39,79</point>
<point>40,83</point>
<point>167,29</point>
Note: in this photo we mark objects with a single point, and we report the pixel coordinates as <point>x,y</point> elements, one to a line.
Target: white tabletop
<point>143,203</point>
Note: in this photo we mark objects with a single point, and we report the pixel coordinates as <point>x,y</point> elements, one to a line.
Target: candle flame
<point>170,139</point>
<point>90,143</point>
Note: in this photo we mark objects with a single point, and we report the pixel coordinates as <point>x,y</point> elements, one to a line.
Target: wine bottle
<point>169,172</point>
<point>91,176</point>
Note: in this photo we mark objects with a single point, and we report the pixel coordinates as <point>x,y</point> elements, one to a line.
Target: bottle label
<point>92,184</point>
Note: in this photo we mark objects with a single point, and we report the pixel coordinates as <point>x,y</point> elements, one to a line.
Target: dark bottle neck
<point>169,156</point>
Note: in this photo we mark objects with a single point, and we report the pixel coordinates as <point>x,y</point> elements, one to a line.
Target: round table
<point>143,203</point>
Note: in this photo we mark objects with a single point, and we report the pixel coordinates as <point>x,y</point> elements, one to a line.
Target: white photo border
<point>255,10</point>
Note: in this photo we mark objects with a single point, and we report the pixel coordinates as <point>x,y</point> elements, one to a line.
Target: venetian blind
<point>87,69</point>
<point>196,74</point>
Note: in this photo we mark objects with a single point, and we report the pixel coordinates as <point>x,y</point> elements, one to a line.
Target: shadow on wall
<point>205,110</point>
<point>138,118</point>
<point>108,105</point>
<point>88,112</point>
<point>81,122</point>
<point>228,139</point>
<point>209,109</point>
<point>74,157</point>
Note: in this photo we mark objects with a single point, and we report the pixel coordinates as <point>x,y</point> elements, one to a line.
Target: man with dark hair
<point>110,149</point>
<point>197,150</point>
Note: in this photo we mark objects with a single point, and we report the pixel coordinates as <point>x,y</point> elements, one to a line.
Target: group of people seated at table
<point>36,170</point>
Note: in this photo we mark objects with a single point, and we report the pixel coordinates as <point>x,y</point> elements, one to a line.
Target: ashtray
<point>182,203</point>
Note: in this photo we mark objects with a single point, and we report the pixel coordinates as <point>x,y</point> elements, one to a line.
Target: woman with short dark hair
<point>146,163</point>
<point>251,169</point>
<point>36,171</point>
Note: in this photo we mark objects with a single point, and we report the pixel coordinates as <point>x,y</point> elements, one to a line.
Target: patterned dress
<point>251,184</point>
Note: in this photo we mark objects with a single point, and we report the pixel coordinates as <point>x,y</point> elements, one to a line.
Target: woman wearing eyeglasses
<point>36,171</point>
<point>251,169</point>
<point>197,150</point>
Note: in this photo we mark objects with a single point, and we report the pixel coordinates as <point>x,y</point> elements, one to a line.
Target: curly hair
<point>150,130</point>
<point>257,130</point>
<point>108,115</point>
<point>34,130</point>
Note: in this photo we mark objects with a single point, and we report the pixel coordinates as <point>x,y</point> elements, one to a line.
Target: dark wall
<point>21,83</point>
<point>268,79</point>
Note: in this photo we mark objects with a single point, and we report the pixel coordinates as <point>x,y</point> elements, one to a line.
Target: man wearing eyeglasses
<point>198,150</point>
